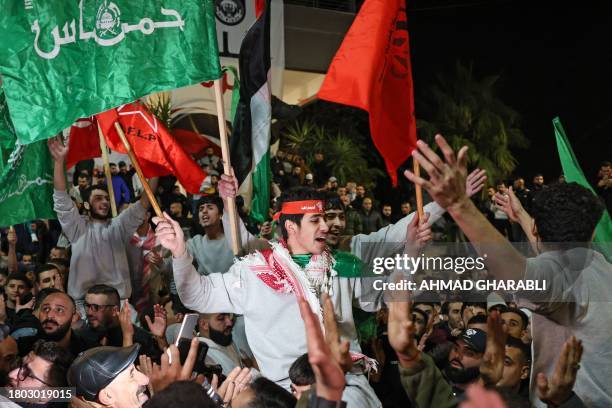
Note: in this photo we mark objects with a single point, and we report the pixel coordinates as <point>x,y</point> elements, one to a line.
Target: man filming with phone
<point>215,329</point>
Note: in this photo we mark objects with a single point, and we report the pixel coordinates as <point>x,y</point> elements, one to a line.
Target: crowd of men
<point>95,303</point>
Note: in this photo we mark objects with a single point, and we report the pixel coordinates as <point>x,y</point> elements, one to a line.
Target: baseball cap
<point>96,368</point>
<point>475,339</point>
<point>309,176</point>
<point>332,179</point>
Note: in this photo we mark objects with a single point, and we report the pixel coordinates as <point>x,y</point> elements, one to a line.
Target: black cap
<point>95,368</point>
<point>475,339</point>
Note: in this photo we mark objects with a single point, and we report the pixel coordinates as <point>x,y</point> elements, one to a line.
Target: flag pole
<point>143,180</point>
<point>416,169</point>
<point>109,176</point>
<point>227,166</point>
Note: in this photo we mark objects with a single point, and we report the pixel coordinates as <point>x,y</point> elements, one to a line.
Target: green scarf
<point>347,264</point>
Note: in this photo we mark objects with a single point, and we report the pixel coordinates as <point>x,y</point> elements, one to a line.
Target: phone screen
<point>187,328</point>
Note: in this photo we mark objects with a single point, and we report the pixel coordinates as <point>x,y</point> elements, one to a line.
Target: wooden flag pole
<point>143,180</point>
<point>416,169</point>
<point>230,207</point>
<point>107,172</point>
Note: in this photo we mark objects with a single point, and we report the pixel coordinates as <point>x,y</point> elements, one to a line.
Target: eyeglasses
<point>26,372</point>
<point>95,307</point>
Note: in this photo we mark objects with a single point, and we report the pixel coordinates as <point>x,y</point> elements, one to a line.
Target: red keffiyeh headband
<point>300,207</point>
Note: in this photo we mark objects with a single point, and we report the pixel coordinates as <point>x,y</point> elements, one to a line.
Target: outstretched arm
<point>446,184</point>
<point>72,224</point>
<point>58,152</point>
<point>511,205</point>
<point>214,293</point>
<point>13,265</point>
<point>379,243</point>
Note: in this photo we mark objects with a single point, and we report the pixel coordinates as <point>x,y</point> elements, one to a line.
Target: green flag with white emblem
<point>62,60</point>
<point>26,176</point>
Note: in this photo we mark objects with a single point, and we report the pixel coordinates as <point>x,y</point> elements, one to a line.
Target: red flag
<point>84,142</point>
<point>194,143</point>
<point>259,7</point>
<point>372,71</point>
<point>157,150</point>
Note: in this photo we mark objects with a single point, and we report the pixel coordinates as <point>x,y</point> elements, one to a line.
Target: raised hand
<point>27,305</point>
<point>475,181</point>
<point>165,374</point>
<point>431,320</point>
<point>510,204</point>
<point>157,327</point>
<point>559,388</point>
<point>228,185</point>
<point>170,235</point>
<point>57,149</point>
<point>401,332</point>
<point>237,380</point>
<point>339,348</point>
<point>328,373</point>
<point>125,321</point>
<point>446,183</point>
<point>11,237</point>
<point>418,234</point>
<point>492,366</point>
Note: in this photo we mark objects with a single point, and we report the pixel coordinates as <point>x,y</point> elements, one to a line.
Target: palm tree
<point>467,111</point>
<point>346,158</point>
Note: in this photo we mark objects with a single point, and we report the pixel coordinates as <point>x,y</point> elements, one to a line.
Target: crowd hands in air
<point>97,303</point>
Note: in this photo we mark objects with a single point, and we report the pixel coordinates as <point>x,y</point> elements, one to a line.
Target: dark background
<point>554,60</point>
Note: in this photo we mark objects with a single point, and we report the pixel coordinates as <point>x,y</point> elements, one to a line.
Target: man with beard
<point>215,329</point>
<point>106,376</point>
<point>98,242</point>
<point>465,359</point>
<point>102,306</point>
<point>57,314</point>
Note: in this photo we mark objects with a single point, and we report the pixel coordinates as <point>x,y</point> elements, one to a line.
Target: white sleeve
<point>214,293</point>
<point>389,240</point>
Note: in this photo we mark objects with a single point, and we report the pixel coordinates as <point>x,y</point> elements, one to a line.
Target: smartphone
<point>183,347</point>
<point>186,332</point>
<point>190,320</point>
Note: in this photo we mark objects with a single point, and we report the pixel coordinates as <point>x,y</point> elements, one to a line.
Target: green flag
<point>573,173</point>
<point>7,132</point>
<point>63,60</point>
<point>26,177</point>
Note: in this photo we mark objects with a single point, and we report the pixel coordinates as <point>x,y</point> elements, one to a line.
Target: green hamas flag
<point>26,177</point>
<point>63,60</point>
<point>573,173</point>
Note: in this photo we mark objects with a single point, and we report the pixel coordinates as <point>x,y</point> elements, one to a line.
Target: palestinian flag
<point>250,141</point>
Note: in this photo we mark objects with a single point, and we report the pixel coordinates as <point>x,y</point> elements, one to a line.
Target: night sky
<point>554,61</point>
